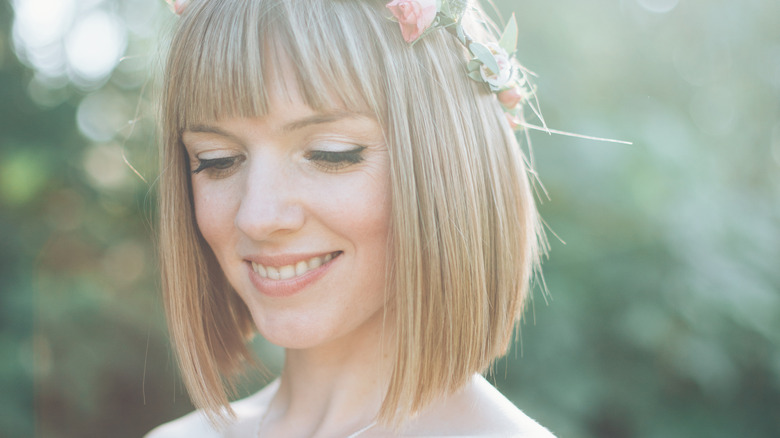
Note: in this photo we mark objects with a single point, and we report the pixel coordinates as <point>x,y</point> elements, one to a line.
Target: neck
<point>337,388</point>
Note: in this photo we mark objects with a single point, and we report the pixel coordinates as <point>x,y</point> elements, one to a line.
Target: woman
<point>339,177</point>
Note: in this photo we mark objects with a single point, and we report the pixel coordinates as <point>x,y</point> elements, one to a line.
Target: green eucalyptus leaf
<point>476,76</point>
<point>443,7</point>
<point>508,40</point>
<point>473,64</point>
<point>461,34</point>
<point>485,55</point>
<point>453,8</point>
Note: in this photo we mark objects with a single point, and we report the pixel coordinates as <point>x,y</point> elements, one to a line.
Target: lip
<point>285,288</point>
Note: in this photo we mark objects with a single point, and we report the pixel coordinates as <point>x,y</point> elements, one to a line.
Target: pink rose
<point>510,97</point>
<point>178,5</point>
<point>497,79</point>
<point>414,16</point>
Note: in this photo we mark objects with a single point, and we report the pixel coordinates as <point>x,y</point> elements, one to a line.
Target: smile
<point>288,272</point>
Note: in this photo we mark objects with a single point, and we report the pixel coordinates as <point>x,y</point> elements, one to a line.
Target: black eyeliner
<point>209,163</point>
<point>352,156</point>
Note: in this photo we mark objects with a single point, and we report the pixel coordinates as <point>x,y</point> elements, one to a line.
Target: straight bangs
<point>228,53</point>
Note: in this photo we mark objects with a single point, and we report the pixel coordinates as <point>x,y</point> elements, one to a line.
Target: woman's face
<point>296,207</point>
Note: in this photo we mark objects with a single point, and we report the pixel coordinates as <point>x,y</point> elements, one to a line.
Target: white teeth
<point>260,269</point>
<point>291,271</point>
<point>286,272</point>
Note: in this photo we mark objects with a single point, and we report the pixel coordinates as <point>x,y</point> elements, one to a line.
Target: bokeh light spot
<point>95,44</point>
<point>22,176</point>
<point>38,29</point>
<point>105,166</point>
<point>102,114</point>
<point>39,23</point>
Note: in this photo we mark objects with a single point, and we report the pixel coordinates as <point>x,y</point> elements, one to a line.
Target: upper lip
<point>279,260</point>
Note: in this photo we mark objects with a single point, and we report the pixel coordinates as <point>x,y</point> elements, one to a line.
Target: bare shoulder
<point>478,410</point>
<point>196,424</point>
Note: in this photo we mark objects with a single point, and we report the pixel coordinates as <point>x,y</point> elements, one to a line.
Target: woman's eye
<point>218,167</point>
<point>335,160</point>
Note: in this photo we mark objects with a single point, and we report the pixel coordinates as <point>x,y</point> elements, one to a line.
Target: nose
<point>271,203</point>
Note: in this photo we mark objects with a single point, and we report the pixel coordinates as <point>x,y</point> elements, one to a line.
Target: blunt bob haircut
<point>465,235</point>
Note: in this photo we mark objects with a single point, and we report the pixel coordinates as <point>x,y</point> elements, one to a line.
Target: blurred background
<point>663,312</point>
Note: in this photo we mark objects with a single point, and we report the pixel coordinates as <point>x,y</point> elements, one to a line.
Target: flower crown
<point>493,62</point>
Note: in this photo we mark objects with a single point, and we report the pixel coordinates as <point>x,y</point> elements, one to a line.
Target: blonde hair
<point>464,227</point>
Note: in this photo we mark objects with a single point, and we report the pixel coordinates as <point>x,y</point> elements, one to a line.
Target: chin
<point>293,332</point>
<point>291,342</point>
<point>299,332</point>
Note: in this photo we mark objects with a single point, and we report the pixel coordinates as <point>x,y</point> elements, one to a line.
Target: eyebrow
<point>315,119</point>
<point>321,118</point>
<point>212,130</point>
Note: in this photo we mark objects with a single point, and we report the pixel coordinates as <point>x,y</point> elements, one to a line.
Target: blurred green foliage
<point>663,312</point>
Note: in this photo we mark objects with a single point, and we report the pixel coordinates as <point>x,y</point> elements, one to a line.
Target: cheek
<point>359,206</point>
<point>369,221</point>
<point>375,219</point>
<point>213,214</point>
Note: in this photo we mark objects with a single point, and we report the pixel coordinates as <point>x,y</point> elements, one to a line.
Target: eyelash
<point>328,160</point>
<point>335,160</point>
<point>217,167</point>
